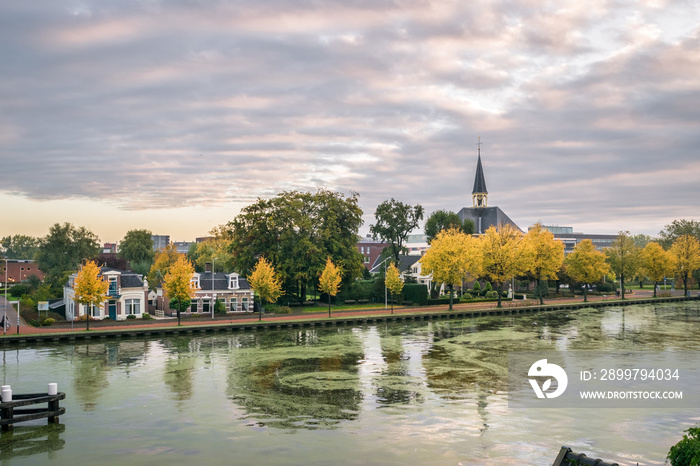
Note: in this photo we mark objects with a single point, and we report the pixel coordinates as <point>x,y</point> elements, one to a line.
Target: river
<point>419,393</point>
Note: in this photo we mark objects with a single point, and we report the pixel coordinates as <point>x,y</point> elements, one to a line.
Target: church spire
<point>479,193</point>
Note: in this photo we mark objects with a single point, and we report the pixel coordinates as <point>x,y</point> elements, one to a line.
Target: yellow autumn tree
<point>657,263</point>
<point>162,262</point>
<point>178,285</point>
<point>623,257</point>
<point>546,255</point>
<point>329,282</point>
<point>505,255</point>
<point>90,288</point>
<point>586,265</point>
<point>453,257</point>
<point>393,282</point>
<point>686,250</point>
<point>264,281</point>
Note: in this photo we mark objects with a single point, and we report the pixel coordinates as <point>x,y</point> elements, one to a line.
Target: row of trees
<point>501,254</point>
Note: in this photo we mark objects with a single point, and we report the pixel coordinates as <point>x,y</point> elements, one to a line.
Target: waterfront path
<point>321,317</point>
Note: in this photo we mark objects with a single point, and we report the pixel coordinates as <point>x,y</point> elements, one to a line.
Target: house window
<point>133,306</point>
<point>195,281</point>
<point>366,259</point>
<point>244,304</point>
<point>233,282</point>
<point>95,310</point>
<point>112,285</point>
<point>234,304</point>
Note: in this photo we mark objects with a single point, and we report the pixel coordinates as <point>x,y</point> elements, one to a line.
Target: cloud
<point>157,105</point>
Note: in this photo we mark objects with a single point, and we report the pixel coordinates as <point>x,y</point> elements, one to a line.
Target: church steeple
<point>479,193</point>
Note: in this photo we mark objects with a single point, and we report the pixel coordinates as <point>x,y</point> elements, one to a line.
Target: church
<point>480,213</point>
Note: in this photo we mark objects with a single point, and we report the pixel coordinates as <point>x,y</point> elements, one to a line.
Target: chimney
<point>207,267</point>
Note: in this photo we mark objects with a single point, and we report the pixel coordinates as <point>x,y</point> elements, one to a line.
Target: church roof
<point>479,181</point>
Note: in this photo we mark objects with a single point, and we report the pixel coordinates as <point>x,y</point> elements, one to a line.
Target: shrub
<point>219,307</point>
<point>477,288</point>
<point>467,296</point>
<point>605,287</point>
<point>20,290</point>
<point>687,451</point>
<point>131,316</point>
<point>27,302</point>
<point>487,288</point>
<point>415,292</point>
<point>491,294</point>
<point>146,316</point>
<point>48,322</point>
<point>283,310</point>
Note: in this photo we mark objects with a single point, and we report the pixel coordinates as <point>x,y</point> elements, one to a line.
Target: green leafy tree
<point>678,228</point>
<point>394,282</point>
<point>443,220</point>
<point>295,231</point>
<point>586,265</point>
<point>642,240</point>
<point>264,281</point>
<point>178,285</point>
<point>623,257</point>
<point>686,251</point>
<point>214,250</point>
<point>453,257</point>
<point>657,263</point>
<point>62,250</point>
<point>505,255</point>
<point>329,282</point>
<point>687,451</point>
<point>395,220</point>
<point>546,255</point>
<point>90,288</point>
<point>19,247</point>
<point>137,248</point>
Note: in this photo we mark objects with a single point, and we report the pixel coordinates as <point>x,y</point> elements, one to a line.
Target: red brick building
<point>19,271</point>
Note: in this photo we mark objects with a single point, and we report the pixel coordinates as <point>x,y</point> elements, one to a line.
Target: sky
<point>173,115</point>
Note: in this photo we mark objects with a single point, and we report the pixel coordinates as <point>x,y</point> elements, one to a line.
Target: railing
<point>11,411</point>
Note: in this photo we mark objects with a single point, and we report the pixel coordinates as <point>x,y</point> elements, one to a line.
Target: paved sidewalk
<point>322,313</point>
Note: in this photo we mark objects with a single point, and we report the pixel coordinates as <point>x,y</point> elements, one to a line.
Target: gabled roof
<point>479,181</point>
<point>406,262</point>
<point>128,279</point>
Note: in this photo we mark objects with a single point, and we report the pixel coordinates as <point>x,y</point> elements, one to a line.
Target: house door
<point>112,309</point>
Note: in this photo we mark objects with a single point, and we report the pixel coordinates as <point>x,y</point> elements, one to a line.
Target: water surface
<point>420,393</point>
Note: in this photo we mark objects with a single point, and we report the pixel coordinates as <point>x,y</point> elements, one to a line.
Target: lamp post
<point>213,296</point>
<point>386,303</point>
<point>4,317</point>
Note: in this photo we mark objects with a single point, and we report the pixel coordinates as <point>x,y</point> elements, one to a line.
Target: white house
<point>128,295</point>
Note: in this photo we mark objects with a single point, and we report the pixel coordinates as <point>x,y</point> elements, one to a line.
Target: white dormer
<point>195,281</point>
<point>233,281</point>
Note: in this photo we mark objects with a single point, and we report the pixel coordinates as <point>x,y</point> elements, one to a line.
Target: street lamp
<point>386,303</point>
<point>4,317</point>
<point>213,296</point>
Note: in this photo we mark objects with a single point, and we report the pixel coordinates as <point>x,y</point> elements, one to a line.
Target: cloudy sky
<point>173,115</point>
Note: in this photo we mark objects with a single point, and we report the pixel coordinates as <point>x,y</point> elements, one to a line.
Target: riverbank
<point>136,328</point>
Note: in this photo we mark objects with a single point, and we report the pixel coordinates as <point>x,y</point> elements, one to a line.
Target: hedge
<point>415,292</point>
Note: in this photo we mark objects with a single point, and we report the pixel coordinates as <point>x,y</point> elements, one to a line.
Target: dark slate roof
<point>220,282</point>
<point>131,281</point>
<point>128,279</point>
<point>484,217</point>
<point>479,181</point>
<point>406,262</point>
